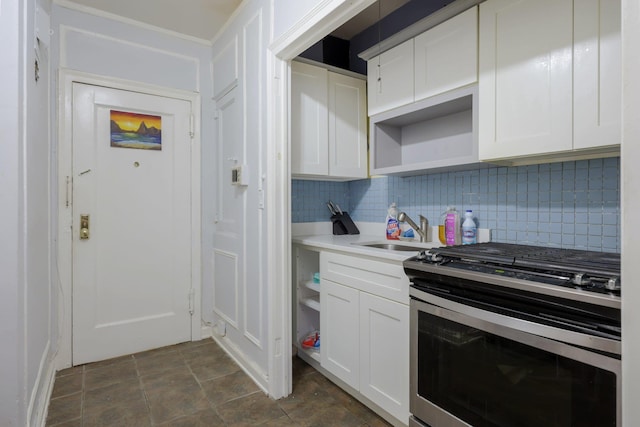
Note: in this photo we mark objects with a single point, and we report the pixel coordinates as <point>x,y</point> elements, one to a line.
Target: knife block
<point>343,224</point>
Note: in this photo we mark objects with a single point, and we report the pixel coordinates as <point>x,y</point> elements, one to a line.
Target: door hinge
<point>192,125</point>
<point>192,297</point>
<point>66,196</point>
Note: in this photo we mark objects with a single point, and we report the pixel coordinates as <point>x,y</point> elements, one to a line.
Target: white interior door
<point>132,274</point>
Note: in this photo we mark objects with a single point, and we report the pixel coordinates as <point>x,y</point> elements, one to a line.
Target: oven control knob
<point>613,284</point>
<point>580,279</point>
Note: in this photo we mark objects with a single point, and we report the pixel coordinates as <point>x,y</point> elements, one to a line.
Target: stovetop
<point>587,270</point>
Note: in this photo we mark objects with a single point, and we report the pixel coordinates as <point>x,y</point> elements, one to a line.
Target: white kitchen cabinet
<point>340,331</point>
<point>328,124</point>
<point>597,81</point>
<point>390,79</point>
<point>545,89</point>
<point>347,127</point>
<point>384,352</point>
<point>438,60</point>
<point>446,56</point>
<point>309,120</point>
<point>437,129</point>
<point>365,328</point>
<point>525,77</point>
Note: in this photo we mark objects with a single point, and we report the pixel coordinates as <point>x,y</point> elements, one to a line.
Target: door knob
<point>84,227</point>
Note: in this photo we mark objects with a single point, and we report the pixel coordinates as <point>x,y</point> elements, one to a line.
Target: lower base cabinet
<point>384,354</point>
<point>339,323</point>
<point>365,343</point>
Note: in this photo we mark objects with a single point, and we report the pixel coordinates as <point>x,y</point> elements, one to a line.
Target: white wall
<point>26,366</point>
<point>103,46</point>
<point>288,14</point>
<point>11,402</point>
<point>630,210</point>
<point>92,43</point>
<point>234,220</point>
<point>249,257</point>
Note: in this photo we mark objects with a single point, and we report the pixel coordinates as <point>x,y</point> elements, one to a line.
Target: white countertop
<point>354,244</point>
<point>319,235</point>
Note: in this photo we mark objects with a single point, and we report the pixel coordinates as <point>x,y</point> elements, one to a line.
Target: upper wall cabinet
<point>390,79</point>
<point>549,90</point>
<point>446,56</point>
<point>597,74</point>
<point>442,58</point>
<point>328,124</point>
<point>433,128</point>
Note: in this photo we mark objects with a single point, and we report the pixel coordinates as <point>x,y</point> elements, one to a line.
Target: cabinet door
<point>347,126</point>
<point>446,56</point>
<point>309,120</point>
<point>339,340</point>
<point>525,78</point>
<point>597,70</point>
<point>390,79</point>
<point>384,354</point>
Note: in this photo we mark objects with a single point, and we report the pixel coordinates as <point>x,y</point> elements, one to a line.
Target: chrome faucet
<point>422,230</point>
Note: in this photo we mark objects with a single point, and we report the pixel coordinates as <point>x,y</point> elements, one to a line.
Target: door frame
<point>320,21</point>
<point>64,261</point>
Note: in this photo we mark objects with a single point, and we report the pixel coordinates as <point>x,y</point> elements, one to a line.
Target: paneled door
<point>131,197</point>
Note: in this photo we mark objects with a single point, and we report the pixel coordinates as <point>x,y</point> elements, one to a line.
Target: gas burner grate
<point>568,261</point>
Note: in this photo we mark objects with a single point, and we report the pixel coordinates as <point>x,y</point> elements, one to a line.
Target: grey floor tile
<point>67,384</point>
<point>209,367</point>
<point>228,387</point>
<point>133,413</point>
<point>107,362</point>
<point>254,409</point>
<point>308,394</point>
<point>301,368</point>
<point>330,416</point>
<point>195,384</point>
<point>172,378</point>
<point>281,422</point>
<point>113,395</point>
<point>191,345</point>
<point>110,374</point>
<point>167,404</point>
<point>156,352</point>
<point>71,423</point>
<point>209,349</point>
<point>64,409</point>
<point>160,362</point>
<point>206,418</point>
<point>70,371</point>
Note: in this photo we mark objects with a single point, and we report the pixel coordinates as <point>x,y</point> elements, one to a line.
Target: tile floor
<point>194,384</point>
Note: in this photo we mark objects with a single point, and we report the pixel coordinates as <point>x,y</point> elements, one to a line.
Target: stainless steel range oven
<point>511,335</point>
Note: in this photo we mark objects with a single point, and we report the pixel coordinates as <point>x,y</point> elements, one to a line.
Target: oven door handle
<point>483,319</point>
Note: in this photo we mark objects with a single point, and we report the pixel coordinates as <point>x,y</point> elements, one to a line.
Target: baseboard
<point>41,393</point>
<point>253,372</point>
<point>205,332</point>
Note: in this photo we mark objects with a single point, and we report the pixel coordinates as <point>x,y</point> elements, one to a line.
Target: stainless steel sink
<point>393,247</point>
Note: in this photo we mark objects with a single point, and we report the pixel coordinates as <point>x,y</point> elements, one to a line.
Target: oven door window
<point>490,381</point>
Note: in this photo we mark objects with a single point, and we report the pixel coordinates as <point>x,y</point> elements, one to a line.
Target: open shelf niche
<point>436,134</point>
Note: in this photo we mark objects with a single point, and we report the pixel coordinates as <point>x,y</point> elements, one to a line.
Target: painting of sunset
<point>133,130</point>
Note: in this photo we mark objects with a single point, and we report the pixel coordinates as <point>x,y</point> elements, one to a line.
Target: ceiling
<point>367,17</point>
<point>196,18</point>
<point>204,18</point>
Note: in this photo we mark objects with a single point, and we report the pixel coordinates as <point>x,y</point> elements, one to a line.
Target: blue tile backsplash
<point>570,204</point>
